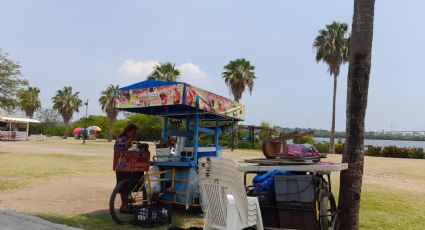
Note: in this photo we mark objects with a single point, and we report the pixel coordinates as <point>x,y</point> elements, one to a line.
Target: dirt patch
<point>395,182</point>
<point>67,195</point>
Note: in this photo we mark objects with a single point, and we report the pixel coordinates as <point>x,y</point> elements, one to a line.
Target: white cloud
<point>131,67</point>
<point>189,72</point>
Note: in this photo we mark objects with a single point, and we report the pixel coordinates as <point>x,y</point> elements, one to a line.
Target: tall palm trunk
<point>357,92</point>
<point>110,133</point>
<point>234,137</point>
<point>110,130</point>
<point>332,136</point>
<point>65,133</point>
<point>29,113</point>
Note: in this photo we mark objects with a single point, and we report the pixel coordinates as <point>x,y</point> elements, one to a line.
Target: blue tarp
<point>265,182</point>
<point>149,84</point>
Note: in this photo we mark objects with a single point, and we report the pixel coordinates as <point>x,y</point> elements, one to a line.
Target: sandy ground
<point>69,195</point>
<point>89,194</point>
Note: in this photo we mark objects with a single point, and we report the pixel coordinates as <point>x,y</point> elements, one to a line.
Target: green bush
<point>248,145</point>
<point>322,147</point>
<point>373,151</point>
<point>47,129</point>
<point>304,140</point>
<point>396,152</point>
<point>339,148</point>
<point>149,127</point>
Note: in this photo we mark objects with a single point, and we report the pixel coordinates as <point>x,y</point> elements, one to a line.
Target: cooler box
<point>202,152</point>
<point>269,211</point>
<point>162,152</point>
<point>295,191</point>
<point>298,219</point>
<point>295,200</point>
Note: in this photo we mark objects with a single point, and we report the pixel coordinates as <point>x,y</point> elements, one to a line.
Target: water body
<point>398,143</point>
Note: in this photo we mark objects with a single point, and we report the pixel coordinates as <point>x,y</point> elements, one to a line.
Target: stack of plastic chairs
<point>224,197</point>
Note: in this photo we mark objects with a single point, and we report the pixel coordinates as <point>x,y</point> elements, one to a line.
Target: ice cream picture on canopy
<point>178,94</point>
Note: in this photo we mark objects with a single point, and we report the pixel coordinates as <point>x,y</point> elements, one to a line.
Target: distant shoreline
<point>386,138</point>
<point>382,142</point>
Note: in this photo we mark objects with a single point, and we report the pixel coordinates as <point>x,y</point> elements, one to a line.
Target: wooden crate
<point>131,161</point>
<point>277,146</point>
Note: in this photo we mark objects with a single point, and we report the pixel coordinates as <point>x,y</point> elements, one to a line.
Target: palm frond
<point>66,102</point>
<point>165,72</point>
<point>332,46</point>
<point>238,75</point>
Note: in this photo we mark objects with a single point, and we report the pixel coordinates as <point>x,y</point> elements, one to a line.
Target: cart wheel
<point>135,195</point>
<point>328,211</point>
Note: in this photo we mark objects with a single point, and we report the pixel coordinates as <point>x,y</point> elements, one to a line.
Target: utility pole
<point>85,121</point>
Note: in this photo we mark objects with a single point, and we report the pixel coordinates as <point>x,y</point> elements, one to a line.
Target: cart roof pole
<point>196,139</point>
<point>165,130</point>
<point>216,145</point>
<point>187,131</point>
<point>217,127</point>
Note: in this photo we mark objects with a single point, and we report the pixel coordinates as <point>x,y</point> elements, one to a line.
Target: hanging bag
<point>121,163</point>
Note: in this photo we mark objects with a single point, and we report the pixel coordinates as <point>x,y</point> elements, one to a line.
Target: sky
<point>91,44</point>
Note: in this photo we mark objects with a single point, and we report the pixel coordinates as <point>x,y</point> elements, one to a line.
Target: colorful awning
<point>176,99</point>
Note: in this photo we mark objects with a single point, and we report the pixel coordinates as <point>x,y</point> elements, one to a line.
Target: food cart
<point>189,112</point>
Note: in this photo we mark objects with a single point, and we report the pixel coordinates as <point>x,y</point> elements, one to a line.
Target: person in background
<point>123,143</point>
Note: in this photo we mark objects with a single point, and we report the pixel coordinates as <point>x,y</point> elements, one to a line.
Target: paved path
<point>11,220</point>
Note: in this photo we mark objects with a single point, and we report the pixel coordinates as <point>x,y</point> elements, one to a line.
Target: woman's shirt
<point>120,143</point>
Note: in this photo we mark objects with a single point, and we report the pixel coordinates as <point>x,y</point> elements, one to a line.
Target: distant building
<point>400,133</point>
<point>15,128</point>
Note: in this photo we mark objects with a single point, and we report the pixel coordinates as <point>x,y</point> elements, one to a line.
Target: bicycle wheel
<point>125,198</point>
<point>327,211</point>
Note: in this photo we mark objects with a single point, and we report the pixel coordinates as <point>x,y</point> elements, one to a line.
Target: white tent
<point>15,128</point>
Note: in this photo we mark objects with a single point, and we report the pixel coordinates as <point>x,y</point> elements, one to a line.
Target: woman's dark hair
<point>128,128</point>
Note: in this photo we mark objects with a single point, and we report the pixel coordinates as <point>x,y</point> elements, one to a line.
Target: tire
<point>327,211</point>
<point>132,186</point>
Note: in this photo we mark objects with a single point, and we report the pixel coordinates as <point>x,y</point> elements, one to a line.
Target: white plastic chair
<point>224,198</point>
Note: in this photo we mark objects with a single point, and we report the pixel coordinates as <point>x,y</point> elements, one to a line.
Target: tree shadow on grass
<point>101,219</point>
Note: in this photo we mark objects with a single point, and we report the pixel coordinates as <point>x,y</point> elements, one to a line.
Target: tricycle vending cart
<point>189,113</point>
<point>301,196</point>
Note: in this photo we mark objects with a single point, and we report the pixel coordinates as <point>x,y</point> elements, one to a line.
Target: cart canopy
<point>176,100</point>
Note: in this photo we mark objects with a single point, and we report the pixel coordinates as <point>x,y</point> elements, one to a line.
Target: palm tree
<point>165,72</point>
<point>29,101</point>
<point>66,103</point>
<point>357,92</point>
<point>332,47</point>
<point>106,100</point>
<point>239,75</point>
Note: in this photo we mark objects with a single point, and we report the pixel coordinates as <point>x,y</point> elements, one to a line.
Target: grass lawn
<point>393,194</point>
<point>18,170</point>
<point>384,208</point>
<point>379,210</point>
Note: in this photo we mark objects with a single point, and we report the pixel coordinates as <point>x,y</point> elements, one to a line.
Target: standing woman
<point>123,143</point>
